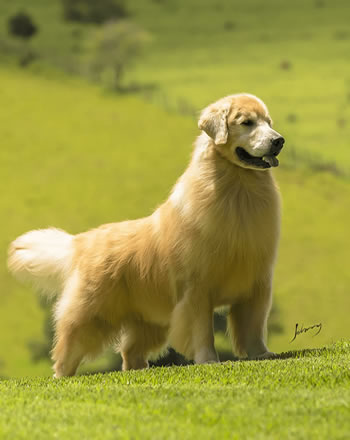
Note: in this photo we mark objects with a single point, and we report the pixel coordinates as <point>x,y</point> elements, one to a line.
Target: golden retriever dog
<point>148,283</point>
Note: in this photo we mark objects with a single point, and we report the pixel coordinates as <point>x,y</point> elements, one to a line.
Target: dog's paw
<point>206,355</point>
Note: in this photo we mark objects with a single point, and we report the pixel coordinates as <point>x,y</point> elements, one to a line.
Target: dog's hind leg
<point>139,339</point>
<point>76,342</point>
<point>247,322</point>
<point>79,332</point>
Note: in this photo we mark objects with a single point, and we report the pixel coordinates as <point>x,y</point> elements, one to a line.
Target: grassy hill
<point>75,156</point>
<point>305,395</point>
<point>292,54</point>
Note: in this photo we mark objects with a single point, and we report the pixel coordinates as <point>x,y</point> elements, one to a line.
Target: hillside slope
<point>304,396</point>
<point>292,54</point>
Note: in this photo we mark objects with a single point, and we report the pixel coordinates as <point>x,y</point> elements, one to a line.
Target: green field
<point>304,396</point>
<point>75,155</point>
<point>205,49</point>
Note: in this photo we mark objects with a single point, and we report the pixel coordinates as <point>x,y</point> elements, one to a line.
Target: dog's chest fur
<point>233,215</point>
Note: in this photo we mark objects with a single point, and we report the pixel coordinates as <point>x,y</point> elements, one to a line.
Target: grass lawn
<point>306,395</point>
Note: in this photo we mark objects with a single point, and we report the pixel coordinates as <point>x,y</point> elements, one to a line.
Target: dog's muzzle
<point>268,160</point>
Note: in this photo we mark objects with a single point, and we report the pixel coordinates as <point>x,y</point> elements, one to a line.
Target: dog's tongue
<point>271,160</point>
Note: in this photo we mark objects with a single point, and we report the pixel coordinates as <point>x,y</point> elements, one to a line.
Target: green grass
<point>304,396</point>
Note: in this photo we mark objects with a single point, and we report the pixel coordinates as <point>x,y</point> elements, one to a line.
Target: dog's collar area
<point>267,162</point>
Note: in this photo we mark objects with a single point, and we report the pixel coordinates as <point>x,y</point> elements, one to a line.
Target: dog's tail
<point>42,257</point>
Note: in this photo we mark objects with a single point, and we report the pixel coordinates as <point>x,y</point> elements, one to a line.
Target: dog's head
<point>240,127</point>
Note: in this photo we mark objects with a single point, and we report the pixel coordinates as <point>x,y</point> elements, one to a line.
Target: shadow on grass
<point>293,354</point>
<point>225,357</point>
<point>173,359</point>
<point>307,352</point>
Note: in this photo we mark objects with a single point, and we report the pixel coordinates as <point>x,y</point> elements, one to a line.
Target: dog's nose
<point>277,145</point>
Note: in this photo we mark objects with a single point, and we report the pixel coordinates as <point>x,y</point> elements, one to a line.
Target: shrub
<point>93,11</point>
<point>285,65</point>
<point>114,48</point>
<point>22,26</point>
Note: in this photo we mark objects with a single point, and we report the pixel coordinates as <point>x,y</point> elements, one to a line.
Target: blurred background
<point>99,101</point>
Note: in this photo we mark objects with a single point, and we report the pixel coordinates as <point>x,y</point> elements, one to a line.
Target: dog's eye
<point>248,122</point>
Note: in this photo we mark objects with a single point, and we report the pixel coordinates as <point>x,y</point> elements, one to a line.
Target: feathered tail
<point>42,257</point>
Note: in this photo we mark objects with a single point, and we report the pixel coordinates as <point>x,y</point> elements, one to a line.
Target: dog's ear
<point>213,120</point>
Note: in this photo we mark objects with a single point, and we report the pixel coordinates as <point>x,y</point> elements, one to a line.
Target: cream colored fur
<point>42,257</point>
<point>147,283</point>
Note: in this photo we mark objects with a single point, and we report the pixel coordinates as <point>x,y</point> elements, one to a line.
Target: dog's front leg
<point>247,321</point>
<point>203,336</point>
<point>191,331</point>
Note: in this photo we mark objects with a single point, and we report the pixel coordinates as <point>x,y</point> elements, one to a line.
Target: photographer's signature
<point>302,329</point>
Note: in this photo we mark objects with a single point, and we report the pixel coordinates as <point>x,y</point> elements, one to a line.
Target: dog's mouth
<point>267,161</point>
